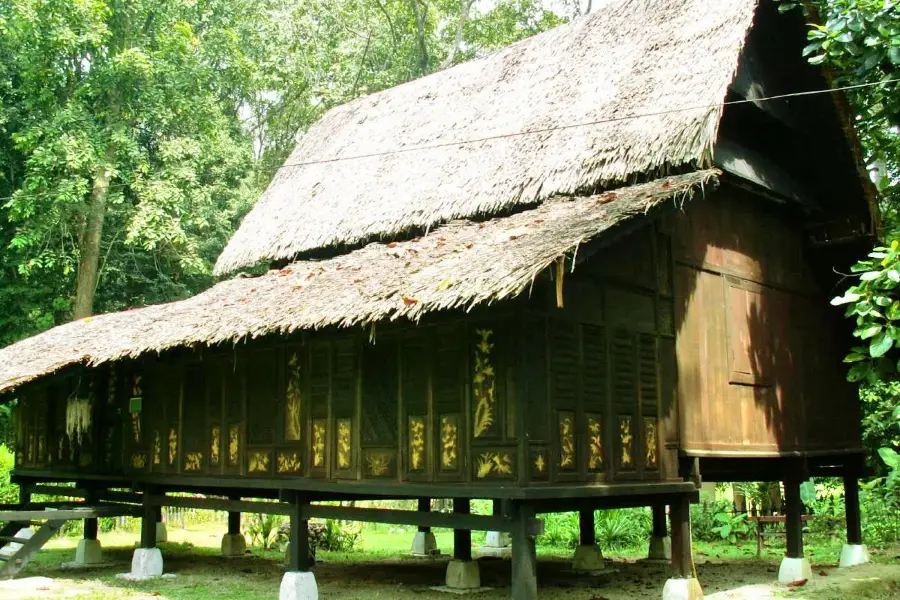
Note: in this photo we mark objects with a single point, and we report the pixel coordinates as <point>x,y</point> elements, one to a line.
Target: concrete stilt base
<point>854,554</point>
<point>162,534</point>
<point>146,564</point>
<point>9,549</point>
<point>588,559</point>
<point>682,589</point>
<point>496,545</point>
<point>424,545</point>
<point>463,575</point>
<point>233,544</point>
<point>88,552</point>
<point>297,585</point>
<point>660,548</point>
<point>793,570</point>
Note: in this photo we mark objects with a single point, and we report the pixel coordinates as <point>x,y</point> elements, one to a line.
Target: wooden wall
<point>759,362</point>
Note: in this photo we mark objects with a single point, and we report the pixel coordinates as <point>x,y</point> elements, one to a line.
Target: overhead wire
<point>565,126</point>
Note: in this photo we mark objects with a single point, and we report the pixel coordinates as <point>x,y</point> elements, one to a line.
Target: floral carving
<point>138,460</point>
<point>258,462</point>
<point>344,444</point>
<point>234,445</point>
<point>378,463</point>
<point>173,446</point>
<point>193,461</point>
<point>215,442</point>
<point>318,444</point>
<point>484,382</point>
<point>449,442</point>
<point>293,427</point>
<point>289,462</point>
<point>595,444</point>
<point>626,437</point>
<point>494,463</point>
<point>416,443</point>
<point>540,464</point>
<point>650,440</point>
<point>567,441</point>
<point>157,448</point>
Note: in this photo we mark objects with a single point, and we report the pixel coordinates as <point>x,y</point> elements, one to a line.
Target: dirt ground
<point>199,573</point>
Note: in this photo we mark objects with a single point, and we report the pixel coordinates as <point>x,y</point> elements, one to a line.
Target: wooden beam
<point>412,517</point>
<point>225,505</point>
<point>88,512</point>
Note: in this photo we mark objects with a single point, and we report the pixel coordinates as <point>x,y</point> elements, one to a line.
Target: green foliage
<point>732,527</point>
<point>340,536</point>
<point>9,492</point>
<point>703,519</point>
<point>266,531</point>
<point>615,529</point>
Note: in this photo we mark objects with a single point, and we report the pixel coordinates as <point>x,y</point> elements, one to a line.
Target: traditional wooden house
<point>580,273</point>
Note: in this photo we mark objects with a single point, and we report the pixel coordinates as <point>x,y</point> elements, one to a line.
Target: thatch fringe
<point>459,265</point>
<point>629,57</point>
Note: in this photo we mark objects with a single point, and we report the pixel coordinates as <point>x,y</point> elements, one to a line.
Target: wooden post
<point>659,521</point>
<point>298,553</point>
<point>462,538</point>
<point>586,527</point>
<point>148,520</point>
<point>24,494</point>
<point>234,523</point>
<point>424,506</point>
<point>682,555</point>
<point>90,525</point>
<point>851,500</point>
<point>793,512</point>
<point>524,554</point>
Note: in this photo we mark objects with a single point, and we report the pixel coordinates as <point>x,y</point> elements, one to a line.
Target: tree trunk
<point>89,259</point>
<point>419,14</point>
<point>464,7</point>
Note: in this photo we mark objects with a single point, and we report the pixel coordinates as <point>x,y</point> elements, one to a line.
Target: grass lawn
<point>381,569</point>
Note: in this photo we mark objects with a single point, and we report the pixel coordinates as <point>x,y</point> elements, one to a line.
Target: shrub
<point>617,529</point>
<point>340,536</point>
<point>560,530</point>
<point>9,492</point>
<point>265,531</point>
<point>703,519</point>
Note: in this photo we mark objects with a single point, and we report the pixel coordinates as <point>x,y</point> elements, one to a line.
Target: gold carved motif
<point>626,437</point>
<point>40,448</point>
<point>234,445</point>
<point>567,441</point>
<point>344,443</point>
<point>540,465</point>
<point>138,460</point>
<point>484,383</point>
<point>318,444</point>
<point>292,426</point>
<point>258,462</point>
<point>29,456</point>
<point>650,440</point>
<point>494,463</point>
<point>449,442</point>
<point>173,446</point>
<point>215,443</point>
<point>157,448</point>
<point>192,461</point>
<point>288,462</point>
<point>595,445</point>
<point>136,427</point>
<point>416,443</point>
<point>378,463</point>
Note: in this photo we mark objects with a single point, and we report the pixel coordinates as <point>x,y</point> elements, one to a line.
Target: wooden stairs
<point>49,518</point>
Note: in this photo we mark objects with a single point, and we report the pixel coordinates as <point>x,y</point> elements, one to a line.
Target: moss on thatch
<point>458,265</point>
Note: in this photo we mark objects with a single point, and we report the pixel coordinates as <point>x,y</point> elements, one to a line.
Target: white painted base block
<point>497,539</point>
<point>162,534</point>
<point>660,548</point>
<point>13,547</point>
<point>297,585</point>
<point>463,575</point>
<point>682,589</point>
<point>233,544</point>
<point>793,570</point>
<point>88,552</point>
<point>146,563</point>
<point>588,558</point>
<point>853,554</point>
<point>489,552</point>
<point>424,544</point>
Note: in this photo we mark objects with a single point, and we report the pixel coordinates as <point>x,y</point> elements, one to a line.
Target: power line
<point>541,130</point>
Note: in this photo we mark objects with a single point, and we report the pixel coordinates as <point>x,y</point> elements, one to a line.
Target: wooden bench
<point>762,521</point>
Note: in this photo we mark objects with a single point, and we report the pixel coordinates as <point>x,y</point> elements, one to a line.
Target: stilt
<point>588,556</point>
<point>524,554</point>
<point>497,544</point>
<point>147,561</point>
<point>854,552</point>
<point>233,542</point>
<point>462,572</point>
<point>89,551</point>
<point>684,585</point>
<point>794,567</point>
<point>424,544</point>
<point>299,583</point>
<point>162,534</point>
<point>660,543</point>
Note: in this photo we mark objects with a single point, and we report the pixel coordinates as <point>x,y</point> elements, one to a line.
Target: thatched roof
<point>629,57</point>
<point>458,265</point>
